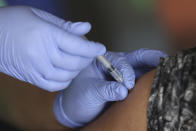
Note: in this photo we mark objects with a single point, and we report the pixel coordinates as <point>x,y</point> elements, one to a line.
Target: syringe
<point>111,69</point>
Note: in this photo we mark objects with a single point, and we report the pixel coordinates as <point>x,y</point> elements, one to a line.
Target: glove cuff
<point>61,115</point>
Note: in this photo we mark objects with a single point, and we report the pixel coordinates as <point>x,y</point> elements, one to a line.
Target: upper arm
<point>130,114</point>
<point>26,107</point>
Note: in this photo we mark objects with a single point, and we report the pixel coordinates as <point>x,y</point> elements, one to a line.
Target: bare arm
<point>26,107</point>
<point>131,114</point>
<point>171,105</point>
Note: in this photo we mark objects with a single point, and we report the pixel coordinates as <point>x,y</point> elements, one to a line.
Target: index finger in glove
<point>75,45</point>
<point>77,28</point>
<point>145,57</point>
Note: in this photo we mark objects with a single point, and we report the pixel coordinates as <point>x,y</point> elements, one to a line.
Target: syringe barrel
<point>116,75</point>
<point>112,70</point>
<point>104,61</point>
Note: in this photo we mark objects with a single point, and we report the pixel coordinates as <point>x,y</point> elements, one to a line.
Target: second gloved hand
<point>89,93</point>
<point>42,49</point>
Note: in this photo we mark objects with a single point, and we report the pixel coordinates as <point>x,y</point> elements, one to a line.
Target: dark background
<point>123,25</point>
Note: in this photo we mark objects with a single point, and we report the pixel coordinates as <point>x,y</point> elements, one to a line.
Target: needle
<point>111,69</point>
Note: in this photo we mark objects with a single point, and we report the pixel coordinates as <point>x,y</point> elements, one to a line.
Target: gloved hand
<point>42,49</point>
<point>143,60</point>
<point>93,88</point>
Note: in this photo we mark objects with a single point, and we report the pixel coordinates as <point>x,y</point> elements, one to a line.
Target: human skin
<point>30,108</point>
<point>27,107</point>
<point>130,114</point>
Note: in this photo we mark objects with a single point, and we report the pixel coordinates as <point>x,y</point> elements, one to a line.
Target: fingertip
<point>150,57</point>
<point>114,91</point>
<point>85,26</point>
<point>128,75</point>
<point>81,28</point>
<point>163,54</point>
<point>157,55</point>
<point>130,84</point>
<point>101,49</point>
<point>129,81</point>
<point>160,53</point>
<point>123,92</point>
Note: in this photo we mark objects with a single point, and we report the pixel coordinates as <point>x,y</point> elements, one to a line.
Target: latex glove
<point>143,60</point>
<point>42,49</point>
<point>89,93</point>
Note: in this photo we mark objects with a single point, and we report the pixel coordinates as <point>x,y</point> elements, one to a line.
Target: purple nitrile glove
<point>42,49</point>
<point>143,60</point>
<point>93,88</point>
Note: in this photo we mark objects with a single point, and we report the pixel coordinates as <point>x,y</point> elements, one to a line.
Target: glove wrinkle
<point>29,48</point>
